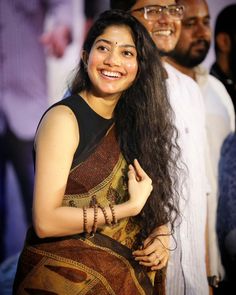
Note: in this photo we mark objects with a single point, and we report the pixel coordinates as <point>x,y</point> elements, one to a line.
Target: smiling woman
<point>104,191</point>
<point>112,62</point>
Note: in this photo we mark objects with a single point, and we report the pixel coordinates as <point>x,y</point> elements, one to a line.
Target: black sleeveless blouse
<point>92,127</point>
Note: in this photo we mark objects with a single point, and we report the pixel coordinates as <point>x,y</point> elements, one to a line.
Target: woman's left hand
<point>155,251</point>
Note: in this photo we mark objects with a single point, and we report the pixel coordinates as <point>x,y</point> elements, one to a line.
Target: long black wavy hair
<point>143,121</point>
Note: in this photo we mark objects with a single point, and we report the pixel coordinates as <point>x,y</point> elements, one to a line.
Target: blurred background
<point>58,74</point>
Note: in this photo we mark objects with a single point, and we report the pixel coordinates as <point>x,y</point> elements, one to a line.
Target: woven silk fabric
<point>80,264</point>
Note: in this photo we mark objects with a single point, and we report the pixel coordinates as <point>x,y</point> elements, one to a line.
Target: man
<point>190,51</point>
<point>186,272</point>
<point>23,96</point>
<point>224,67</point>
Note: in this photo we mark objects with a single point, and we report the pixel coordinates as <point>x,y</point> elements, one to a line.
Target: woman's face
<point>112,62</point>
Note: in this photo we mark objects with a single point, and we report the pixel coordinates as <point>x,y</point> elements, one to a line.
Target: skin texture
<point>165,31</point>
<point>112,64</point>
<point>195,37</point>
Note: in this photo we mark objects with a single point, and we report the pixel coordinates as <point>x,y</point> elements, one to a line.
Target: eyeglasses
<point>153,12</point>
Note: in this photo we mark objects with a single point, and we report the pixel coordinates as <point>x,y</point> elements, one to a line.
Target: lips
<point>111,74</point>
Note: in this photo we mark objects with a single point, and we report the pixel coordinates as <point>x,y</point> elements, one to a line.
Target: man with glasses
<point>186,271</point>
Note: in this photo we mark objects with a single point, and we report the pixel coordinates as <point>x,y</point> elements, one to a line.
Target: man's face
<point>195,36</point>
<point>164,30</point>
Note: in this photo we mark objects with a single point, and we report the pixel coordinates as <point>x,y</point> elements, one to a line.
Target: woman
<point>105,172</point>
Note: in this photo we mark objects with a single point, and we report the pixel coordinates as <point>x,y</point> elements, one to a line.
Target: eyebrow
<point>196,17</point>
<point>110,43</point>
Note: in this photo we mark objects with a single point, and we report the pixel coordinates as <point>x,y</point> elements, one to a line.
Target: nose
<point>112,59</point>
<point>164,17</point>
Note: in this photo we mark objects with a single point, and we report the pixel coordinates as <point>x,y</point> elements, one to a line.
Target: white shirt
<point>220,117</point>
<point>220,121</point>
<point>186,272</point>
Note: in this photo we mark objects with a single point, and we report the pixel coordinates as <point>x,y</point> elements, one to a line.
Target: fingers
<point>141,173</point>
<point>153,255</point>
<point>45,38</point>
<point>54,43</point>
<point>145,251</point>
<point>154,260</point>
<point>160,265</point>
<point>131,173</point>
<point>160,255</point>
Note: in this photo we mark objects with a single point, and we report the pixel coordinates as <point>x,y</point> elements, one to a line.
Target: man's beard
<point>163,53</point>
<point>186,59</point>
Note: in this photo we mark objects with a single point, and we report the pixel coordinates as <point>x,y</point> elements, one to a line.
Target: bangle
<point>114,220</point>
<point>107,220</point>
<point>95,220</point>
<point>85,219</point>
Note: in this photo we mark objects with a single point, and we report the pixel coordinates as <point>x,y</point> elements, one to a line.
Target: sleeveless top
<point>92,127</point>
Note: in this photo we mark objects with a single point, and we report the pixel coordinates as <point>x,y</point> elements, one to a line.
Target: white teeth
<point>111,74</point>
<point>163,33</point>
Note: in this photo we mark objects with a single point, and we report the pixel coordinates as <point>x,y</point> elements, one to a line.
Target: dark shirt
<point>226,213</point>
<point>228,83</point>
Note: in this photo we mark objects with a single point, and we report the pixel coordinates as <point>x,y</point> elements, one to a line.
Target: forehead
<point>198,8</point>
<point>141,3</point>
<point>118,34</point>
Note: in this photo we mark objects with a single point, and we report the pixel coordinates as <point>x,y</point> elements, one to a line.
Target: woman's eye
<point>102,48</point>
<point>128,53</point>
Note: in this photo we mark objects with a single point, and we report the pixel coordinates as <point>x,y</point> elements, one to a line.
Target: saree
<point>89,264</point>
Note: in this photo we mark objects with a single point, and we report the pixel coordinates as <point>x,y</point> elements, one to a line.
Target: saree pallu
<point>78,264</point>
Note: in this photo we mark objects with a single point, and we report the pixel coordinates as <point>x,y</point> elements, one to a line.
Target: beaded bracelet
<point>85,219</point>
<point>95,220</point>
<point>114,220</point>
<point>108,222</point>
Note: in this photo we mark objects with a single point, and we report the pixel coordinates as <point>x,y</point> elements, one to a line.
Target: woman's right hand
<point>139,187</point>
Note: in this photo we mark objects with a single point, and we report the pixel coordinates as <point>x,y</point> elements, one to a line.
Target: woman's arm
<point>56,143</point>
